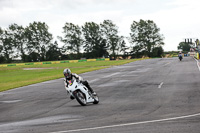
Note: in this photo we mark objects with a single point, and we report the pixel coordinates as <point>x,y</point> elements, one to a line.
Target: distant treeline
<point>35,42</point>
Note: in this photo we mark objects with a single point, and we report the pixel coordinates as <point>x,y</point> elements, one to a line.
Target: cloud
<point>177,19</point>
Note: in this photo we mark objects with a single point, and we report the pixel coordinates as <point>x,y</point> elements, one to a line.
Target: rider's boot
<point>91,90</point>
<point>94,94</point>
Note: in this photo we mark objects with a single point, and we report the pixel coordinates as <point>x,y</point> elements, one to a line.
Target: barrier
<point>100,59</point>
<point>54,62</point>
<point>29,63</point>
<point>73,61</point>
<point>3,65</point>
<point>46,62</point>
<point>11,65</point>
<point>197,55</point>
<point>91,60</point>
<point>82,60</point>
<point>64,61</point>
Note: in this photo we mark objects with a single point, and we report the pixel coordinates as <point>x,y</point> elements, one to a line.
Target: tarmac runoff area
<point>155,95</point>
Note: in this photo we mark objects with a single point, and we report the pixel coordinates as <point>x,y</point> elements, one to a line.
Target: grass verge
<point>16,76</point>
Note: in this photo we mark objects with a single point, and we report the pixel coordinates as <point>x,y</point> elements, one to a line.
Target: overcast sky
<point>177,19</point>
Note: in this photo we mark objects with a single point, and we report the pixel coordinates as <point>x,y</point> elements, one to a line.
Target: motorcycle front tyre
<point>80,97</point>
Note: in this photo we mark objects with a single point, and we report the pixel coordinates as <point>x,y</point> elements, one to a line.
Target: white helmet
<point>67,73</point>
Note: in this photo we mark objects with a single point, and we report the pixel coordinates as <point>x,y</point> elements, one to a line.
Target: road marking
<point>140,70</point>
<point>111,75</point>
<point>129,124</point>
<point>12,101</point>
<point>167,63</point>
<point>129,75</point>
<point>160,85</point>
<point>197,64</point>
<point>94,80</point>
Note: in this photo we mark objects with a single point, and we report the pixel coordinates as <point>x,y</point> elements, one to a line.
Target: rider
<point>69,76</point>
<point>180,54</point>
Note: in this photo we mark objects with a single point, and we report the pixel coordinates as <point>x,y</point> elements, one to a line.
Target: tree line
<point>35,43</point>
<point>184,46</point>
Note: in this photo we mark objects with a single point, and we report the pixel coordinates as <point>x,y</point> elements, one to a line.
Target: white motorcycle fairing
<point>81,93</point>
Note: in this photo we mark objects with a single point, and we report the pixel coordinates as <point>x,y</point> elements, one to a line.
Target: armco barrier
<point>3,65</point>
<point>11,65</point>
<point>64,61</point>
<point>91,59</point>
<point>73,61</point>
<point>29,63</point>
<point>54,62</point>
<point>82,60</point>
<point>38,63</point>
<point>20,64</point>
<point>46,62</point>
<point>100,59</point>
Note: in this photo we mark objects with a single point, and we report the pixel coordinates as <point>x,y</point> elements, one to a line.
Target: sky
<point>177,19</point>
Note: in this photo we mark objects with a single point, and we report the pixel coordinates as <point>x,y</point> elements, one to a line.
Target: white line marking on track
<point>111,75</point>
<point>129,124</point>
<point>11,101</point>
<point>197,64</point>
<point>160,85</point>
<point>94,80</point>
<point>167,63</point>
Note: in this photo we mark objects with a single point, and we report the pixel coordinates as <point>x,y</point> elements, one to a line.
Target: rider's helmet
<point>67,73</point>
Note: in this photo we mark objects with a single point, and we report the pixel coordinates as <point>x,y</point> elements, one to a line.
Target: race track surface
<point>149,96</point>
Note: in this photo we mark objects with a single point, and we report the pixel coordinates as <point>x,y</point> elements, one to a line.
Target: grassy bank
<point>17,76</point>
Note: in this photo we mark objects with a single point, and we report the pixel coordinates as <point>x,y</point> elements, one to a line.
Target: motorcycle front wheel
<point>80,97</point>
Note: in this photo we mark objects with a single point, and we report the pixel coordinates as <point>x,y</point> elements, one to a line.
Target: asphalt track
<point>149,96</point>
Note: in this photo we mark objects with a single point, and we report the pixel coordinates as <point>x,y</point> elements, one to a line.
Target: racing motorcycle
<point>81,93</point>
<point>180,57</point>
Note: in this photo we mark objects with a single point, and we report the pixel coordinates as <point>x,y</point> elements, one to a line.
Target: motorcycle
<point>180,58</point>
<point>81,93</point>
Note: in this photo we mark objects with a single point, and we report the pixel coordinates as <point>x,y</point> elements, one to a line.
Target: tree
<point>6,42</point>
<point>72,38</point>
<point>123,47</point>
<point>2,59</point>
<point>146,35</point>
<point>39,38</point>
<point>33,57</point>
<point>18,39</point>
<point>137,51</point>
<point>54,52</point>
<point>115,42</point>
<point>1,45</point>
<point>158,51</point>
<point>184,46</point>
<point>94,44</point>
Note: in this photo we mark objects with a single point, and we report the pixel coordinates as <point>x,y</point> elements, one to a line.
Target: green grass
<point>15,76</point>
